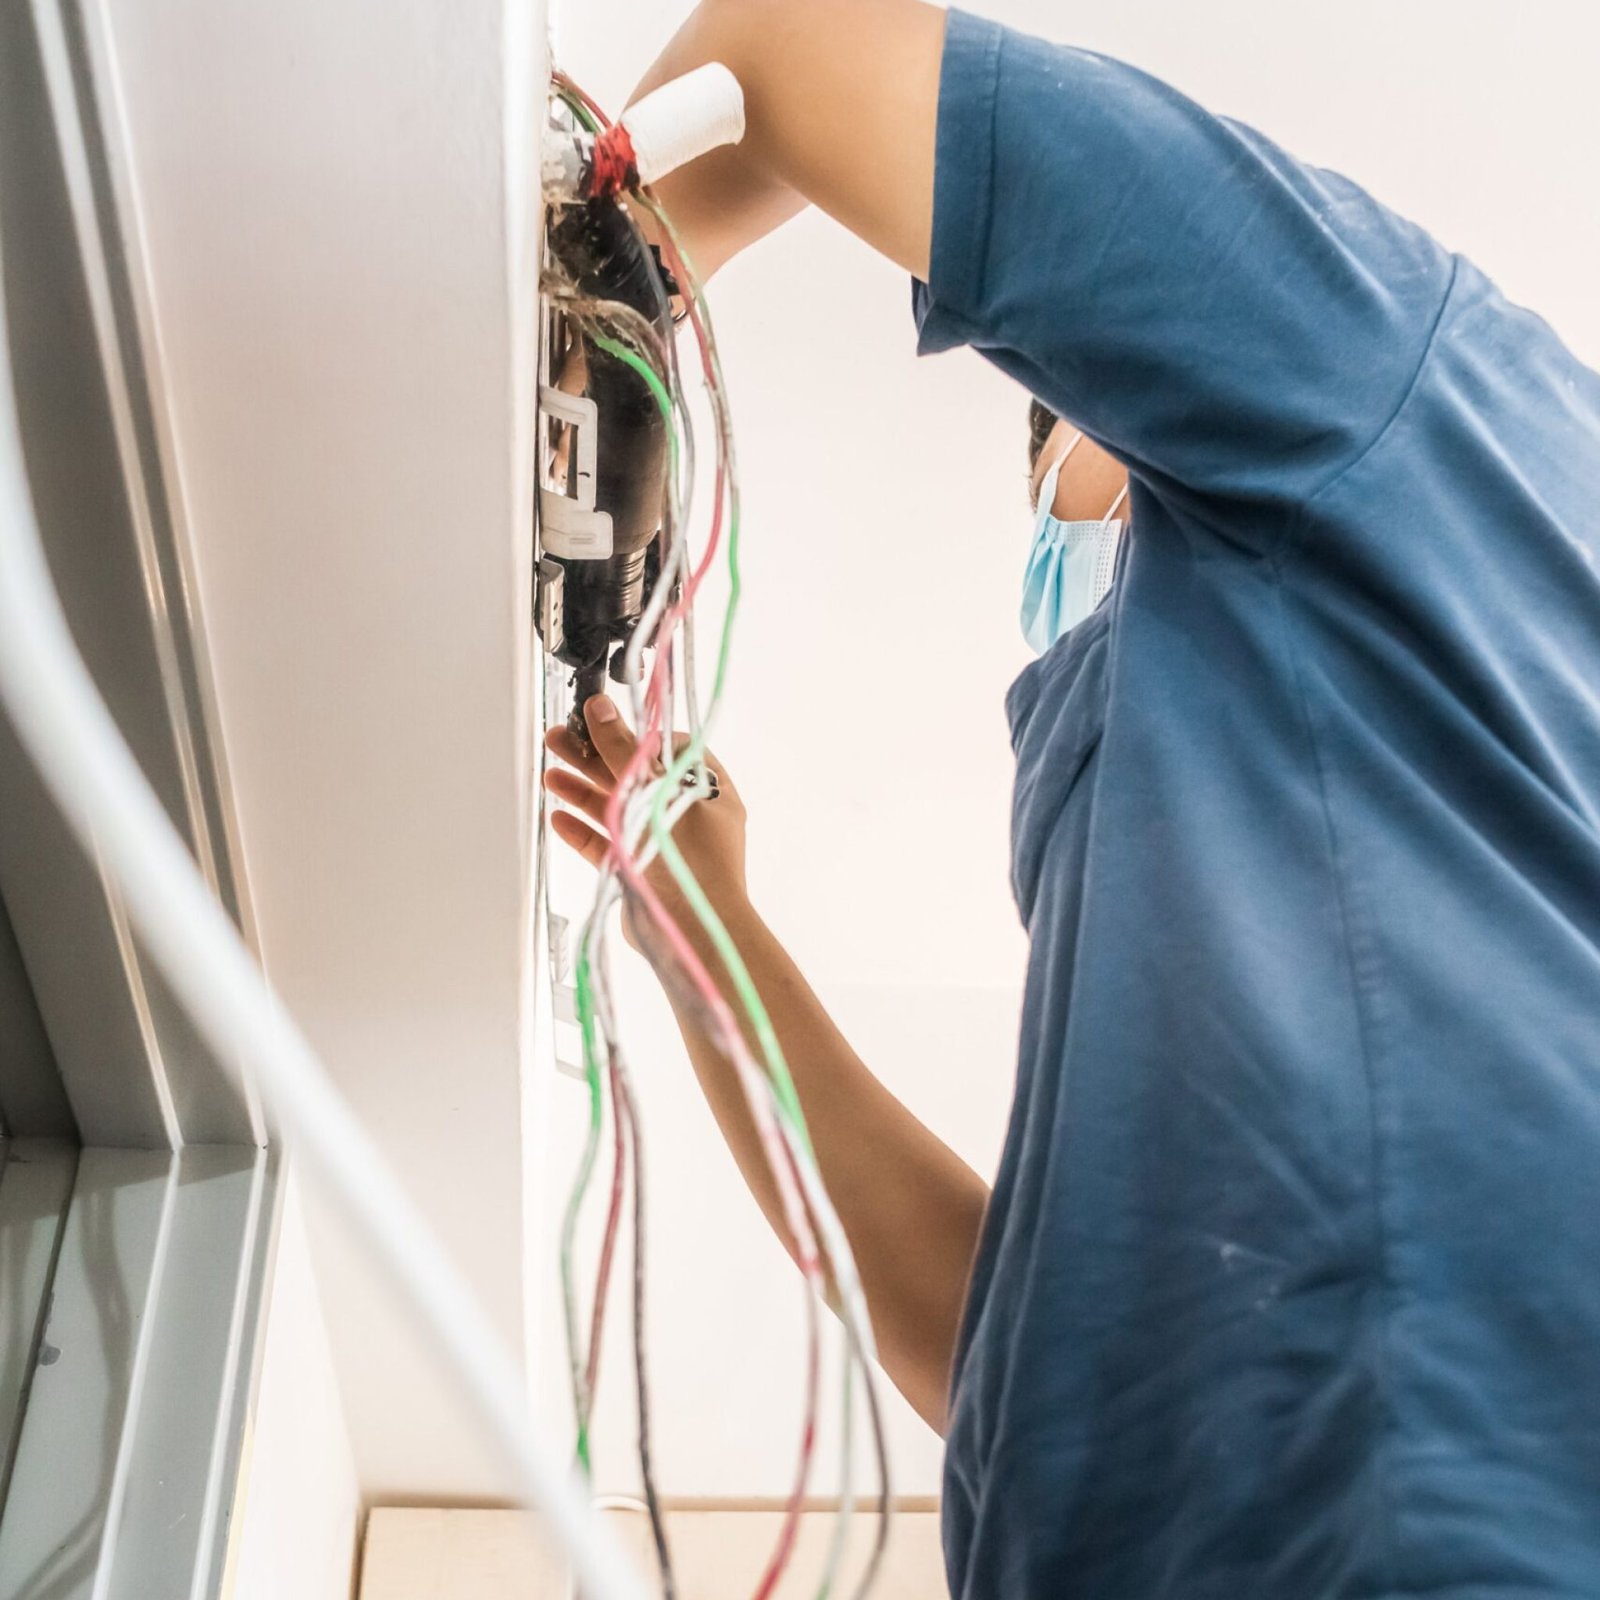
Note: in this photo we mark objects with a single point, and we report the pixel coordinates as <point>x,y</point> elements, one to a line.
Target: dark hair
<point>1041,420</point>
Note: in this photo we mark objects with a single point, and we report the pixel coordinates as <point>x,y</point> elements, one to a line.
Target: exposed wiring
<point>853,1303</point>
<point>590,316</point>
<point>593,118</point>
<point>641,1377</point>
<point>640,805</point>
<point>608,1243</point>
<point>585,1366</point>
<point>628,1120</point>
<point>104,796</point>
<point>782,1159</point>
<point>576,1353</point>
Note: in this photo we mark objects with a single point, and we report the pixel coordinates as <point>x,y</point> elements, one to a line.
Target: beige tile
<point>719,1554</point>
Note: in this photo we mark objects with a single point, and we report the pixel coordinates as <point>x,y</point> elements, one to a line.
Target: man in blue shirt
<point>1287,1286</point>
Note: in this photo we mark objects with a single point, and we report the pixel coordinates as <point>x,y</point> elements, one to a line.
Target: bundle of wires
<point>657,788</point>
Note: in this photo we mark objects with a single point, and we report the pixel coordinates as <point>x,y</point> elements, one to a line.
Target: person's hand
<point>710,834</point>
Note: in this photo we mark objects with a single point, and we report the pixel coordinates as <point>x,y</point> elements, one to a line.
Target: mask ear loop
<point>1106,565</point>
<point>1052,476</point>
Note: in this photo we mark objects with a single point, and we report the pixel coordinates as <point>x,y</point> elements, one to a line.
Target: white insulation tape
<point>684,119</point>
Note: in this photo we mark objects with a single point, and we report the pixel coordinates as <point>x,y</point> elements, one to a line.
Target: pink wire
<point>619,1159</point>
<point>566,83</point>
<point>780,1157</point>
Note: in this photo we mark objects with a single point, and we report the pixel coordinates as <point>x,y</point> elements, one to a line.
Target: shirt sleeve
<point>1229,321</point>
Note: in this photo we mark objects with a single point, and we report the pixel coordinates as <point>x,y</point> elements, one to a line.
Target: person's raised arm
<point>841,102</point>
<point>1233,324</point>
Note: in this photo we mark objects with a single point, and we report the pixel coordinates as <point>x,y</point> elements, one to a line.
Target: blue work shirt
<point>1290,1284</point>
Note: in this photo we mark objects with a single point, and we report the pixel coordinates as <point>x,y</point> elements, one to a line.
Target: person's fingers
<point>576,792</point>
<point>573,831</point>
<point>612,737</point>
<point>613,747</point>
<point>724,782</point>
<point>563,744</point>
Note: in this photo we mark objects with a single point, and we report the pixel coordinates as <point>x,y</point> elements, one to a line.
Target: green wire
<point>580,1187</point>
<point>788,1100</point>
<point>583,982</point>
<point>688,757</point>
<point>691,757</point>
<point>579,110</point>
<point>657,387</point>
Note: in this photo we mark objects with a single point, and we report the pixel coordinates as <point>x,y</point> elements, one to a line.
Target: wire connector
<point>580,166</point>
<point>613,166</point>
<point>669,127</point>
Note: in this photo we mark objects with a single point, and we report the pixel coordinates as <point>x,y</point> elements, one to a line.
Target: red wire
<point>649,743</point>
<point>645,752</point>
<point>809,1263</point>
<point>619,1172</point>
<point>564,83</point>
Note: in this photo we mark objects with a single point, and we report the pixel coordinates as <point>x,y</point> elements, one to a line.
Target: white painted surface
<point>301,1502</point>
<point>340,232</point>
<point>883,555</point>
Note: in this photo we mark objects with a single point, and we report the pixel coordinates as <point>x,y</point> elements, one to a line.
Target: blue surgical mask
<point>1070,565</point>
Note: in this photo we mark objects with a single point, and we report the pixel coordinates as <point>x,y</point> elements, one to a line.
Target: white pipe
<point>65,726</point>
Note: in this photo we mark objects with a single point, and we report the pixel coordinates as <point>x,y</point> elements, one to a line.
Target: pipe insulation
<point>685,118</point>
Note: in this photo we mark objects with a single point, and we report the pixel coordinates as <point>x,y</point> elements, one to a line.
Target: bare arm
<point>841,102</point>
<point>909,1206</point>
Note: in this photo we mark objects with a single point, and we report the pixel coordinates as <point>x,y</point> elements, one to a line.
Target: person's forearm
<point>840,101</point>
<point>909,1206</point>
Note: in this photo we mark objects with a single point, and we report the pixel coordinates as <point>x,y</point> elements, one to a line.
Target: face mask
<point>1070,566</point>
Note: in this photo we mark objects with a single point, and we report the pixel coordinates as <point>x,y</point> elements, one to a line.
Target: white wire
<point>847,1281</point>
<point>760,1091</point>
<point>852,1297</point>
<point>82,758</point>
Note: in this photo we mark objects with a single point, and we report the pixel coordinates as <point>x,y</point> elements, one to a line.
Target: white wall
<point>340,226</point>
<point>300,1501</point>
<point>885,531</point>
